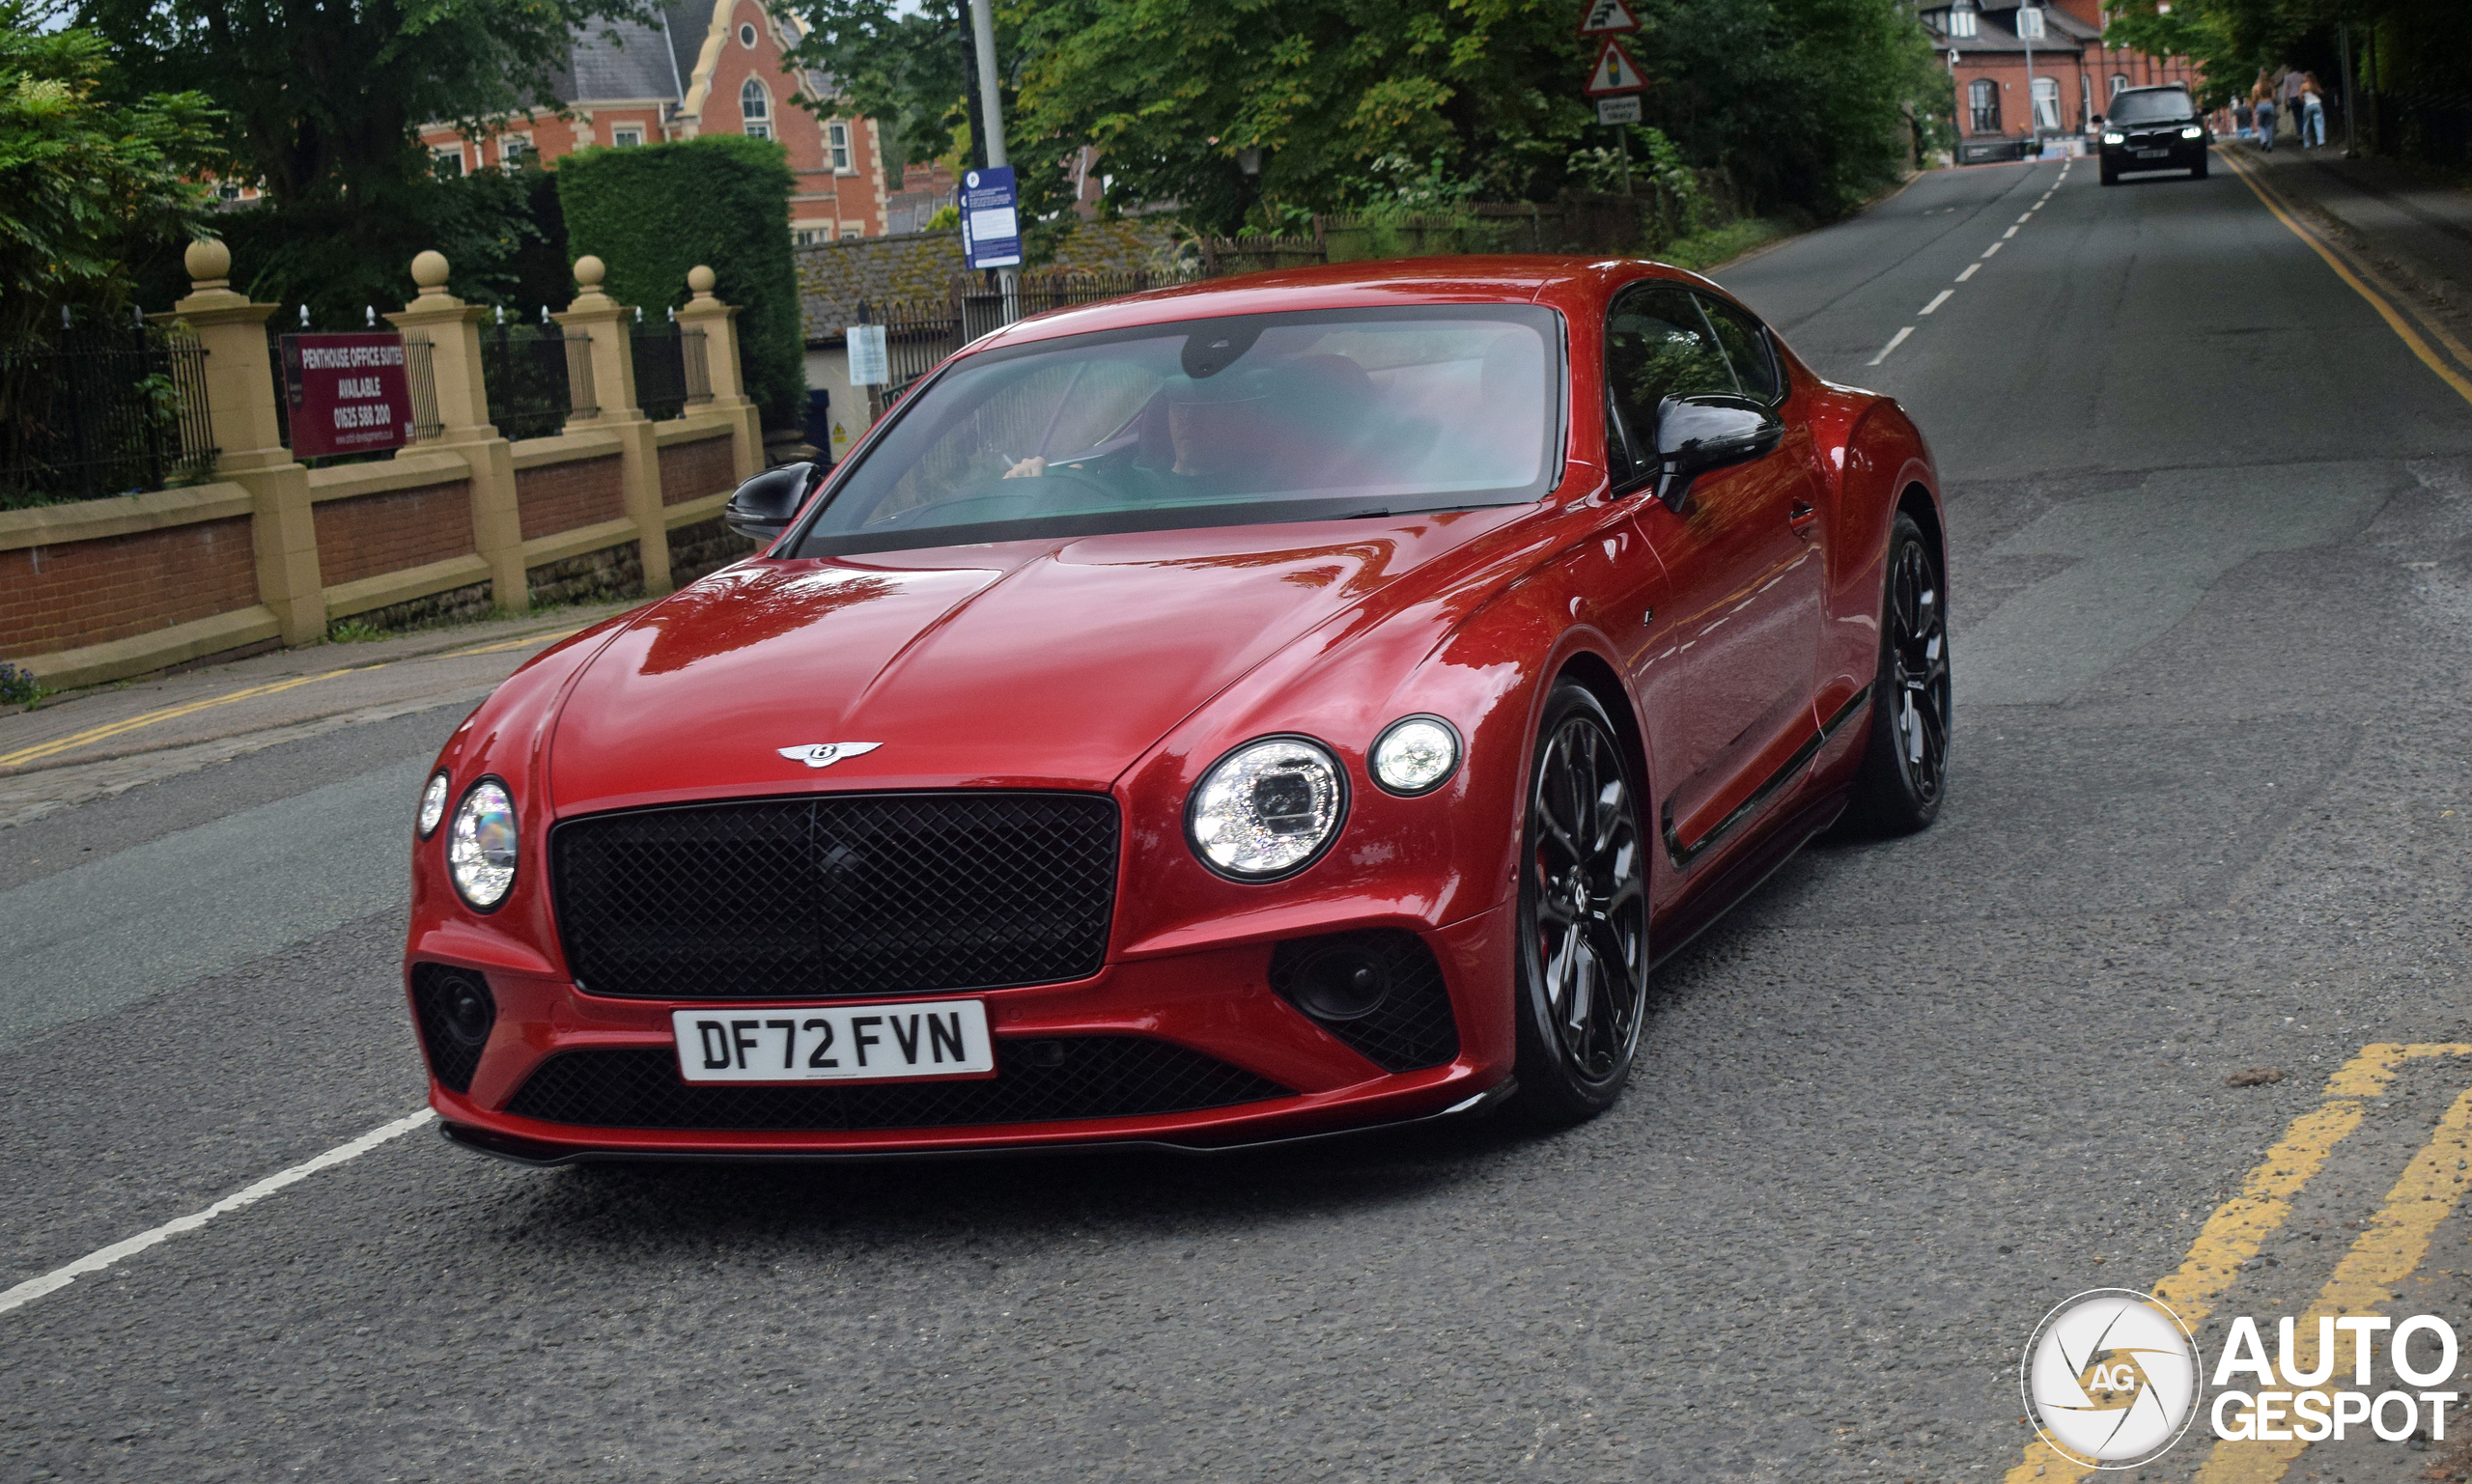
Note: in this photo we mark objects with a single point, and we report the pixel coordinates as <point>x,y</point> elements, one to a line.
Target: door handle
<point>1802,518</point>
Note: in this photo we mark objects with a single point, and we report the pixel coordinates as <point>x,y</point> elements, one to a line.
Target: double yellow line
<point>77,741</point>
<point>2384,1256</point>
<point>2416,329</point>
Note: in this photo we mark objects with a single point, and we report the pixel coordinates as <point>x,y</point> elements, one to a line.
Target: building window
<point>747,37</point>
<point>755,109</point>
<point>513,150</point>
<point>1965,22</point>
<point>447,162</point>
<point>2085,100</point>
<point>852,229</point>
<point>628,137</point>
<point>836,138</point>
<point>2047,104</point>
<point>228,192</point>
<point>810,237</point>
<point>2118,82</point>
<point>1985,98</point>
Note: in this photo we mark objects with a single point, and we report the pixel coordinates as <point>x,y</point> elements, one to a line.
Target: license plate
<point>834,1043</point>
<point>2152,153</point>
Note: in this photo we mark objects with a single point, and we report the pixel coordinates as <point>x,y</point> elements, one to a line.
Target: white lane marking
<point>1972,269</point>
<point>1993,248</point>
<point>1946,294</point>
<point>2029,211</point>
<point>97,1261</point>
<point>2006,236</point>
<point>1895,341</point>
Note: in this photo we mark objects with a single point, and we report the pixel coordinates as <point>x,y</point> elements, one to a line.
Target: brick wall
<point>370,534</point>
<point>689,471</point>
<point>567,496</point>
<point>92,592</point>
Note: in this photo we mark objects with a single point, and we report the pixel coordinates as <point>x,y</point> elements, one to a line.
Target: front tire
<point>2196,171</point>
<point>1582,966</point>
<point>2111,176</point>
<point>1905,760</point>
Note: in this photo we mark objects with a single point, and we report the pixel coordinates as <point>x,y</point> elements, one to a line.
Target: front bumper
<point>2180,154</point>
<point>1218,1003</point>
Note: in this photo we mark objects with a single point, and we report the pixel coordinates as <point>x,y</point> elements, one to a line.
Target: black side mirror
<point>1699,434</point>
<point>761,507</point>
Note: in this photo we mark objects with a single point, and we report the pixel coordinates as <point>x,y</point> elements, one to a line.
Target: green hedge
<point>723,200</point>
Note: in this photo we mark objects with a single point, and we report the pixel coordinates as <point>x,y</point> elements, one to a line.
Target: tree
<point>86,183</point>
<point>321,105</point>
<point>903,69</point>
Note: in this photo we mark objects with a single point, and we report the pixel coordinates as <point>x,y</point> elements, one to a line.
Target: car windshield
<point>2163,106</point>
<point>1307,416</point>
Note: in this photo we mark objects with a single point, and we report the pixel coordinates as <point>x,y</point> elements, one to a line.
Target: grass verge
<point>1707,249</point>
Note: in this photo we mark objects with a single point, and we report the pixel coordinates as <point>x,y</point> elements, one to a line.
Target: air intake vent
<point>454,1010</point>
<point>1035,1082</point>
<point>1381,992</point>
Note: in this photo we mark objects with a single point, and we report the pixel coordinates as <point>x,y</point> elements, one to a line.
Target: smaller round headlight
<point>2116,137</point>
<point>433,805</point>
<point>480,845</point>
<point>1268,808</point>
<point>1415,755</point>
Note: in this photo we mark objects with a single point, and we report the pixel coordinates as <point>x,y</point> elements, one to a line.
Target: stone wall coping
<point>387,588</point>
<point>143,654</point>
<point>704,507</point>
<point>408,470</point>
<point>566,448</point>
<point>691,429</point>
<point>121,515</point>
<point>557,546</point>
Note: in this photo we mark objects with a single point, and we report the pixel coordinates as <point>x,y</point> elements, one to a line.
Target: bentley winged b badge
<point>826,754</point>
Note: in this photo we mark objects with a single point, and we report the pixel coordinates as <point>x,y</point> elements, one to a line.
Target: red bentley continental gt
<point>1231,714</point>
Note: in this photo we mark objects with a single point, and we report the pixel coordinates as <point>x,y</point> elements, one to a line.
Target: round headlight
<point>1415,755</point>
<point>1268,808</point>
<point>2116,137</point>
<point>2192,133</point>
<point>432,807</point>
<point>480,846</point>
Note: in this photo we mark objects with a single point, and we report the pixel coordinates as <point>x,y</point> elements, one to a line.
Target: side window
<point>1747,348</point>
<point>1657,346</point>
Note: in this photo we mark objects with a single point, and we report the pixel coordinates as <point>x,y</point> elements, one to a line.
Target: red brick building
<point>2074,74</point>
<point>702,67</point>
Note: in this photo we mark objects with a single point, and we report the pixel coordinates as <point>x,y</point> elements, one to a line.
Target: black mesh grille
<point>1413,1026</point>
<point>843,894</point>
<point>1035,1082</point>
<point>454,1047</point>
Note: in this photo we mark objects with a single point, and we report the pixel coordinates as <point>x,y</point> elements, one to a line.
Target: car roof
<point>1563,282</point>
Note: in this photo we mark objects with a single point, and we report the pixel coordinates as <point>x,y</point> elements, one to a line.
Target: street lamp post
<point>990,102</point>
<point>2030,25</point>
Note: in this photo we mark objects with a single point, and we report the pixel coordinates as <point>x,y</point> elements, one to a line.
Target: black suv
<point>2153,128</point>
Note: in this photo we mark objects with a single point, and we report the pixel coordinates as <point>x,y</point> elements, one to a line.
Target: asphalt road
<point>2212,593</point>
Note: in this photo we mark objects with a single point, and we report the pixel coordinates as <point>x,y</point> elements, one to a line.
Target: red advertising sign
<point>349,393</point>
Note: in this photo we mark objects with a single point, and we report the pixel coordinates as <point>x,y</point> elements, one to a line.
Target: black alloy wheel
<point>1583,965</point>
<point>1905,763</point>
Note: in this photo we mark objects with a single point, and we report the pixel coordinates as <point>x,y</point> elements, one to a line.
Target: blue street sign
<point>991,218</point>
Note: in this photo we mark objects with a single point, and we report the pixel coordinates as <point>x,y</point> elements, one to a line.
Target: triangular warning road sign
<point>1615,73</point>
<point>1604,18</point>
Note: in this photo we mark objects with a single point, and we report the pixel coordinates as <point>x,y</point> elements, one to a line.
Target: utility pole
<point>991,104</point>
<point>2343,40</point>
<point>2026,30</point>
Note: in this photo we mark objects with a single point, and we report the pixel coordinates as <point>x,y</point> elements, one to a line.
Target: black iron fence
<point>536,377</point>
<point>92,410</point>
<point>671,374</point>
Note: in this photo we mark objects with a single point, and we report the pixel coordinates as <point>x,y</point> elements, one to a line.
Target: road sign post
<point>1615,81</point>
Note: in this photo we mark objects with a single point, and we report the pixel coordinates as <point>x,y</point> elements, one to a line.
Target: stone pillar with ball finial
<point>241,394</point>
<point>608,323</point>
<point>453,330</point>
<point>718,322</point>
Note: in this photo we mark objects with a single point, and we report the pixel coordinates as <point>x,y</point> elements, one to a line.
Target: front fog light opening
<point>433,805</point>
<point>1267,809</point>
<point>455,1012</point>
<point>480,845</point>
<point>1415,755</point>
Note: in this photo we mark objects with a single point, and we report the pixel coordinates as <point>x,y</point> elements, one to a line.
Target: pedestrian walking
<point>2244,119</point>
<point>2288,100</point>
<point>2265,112</point>
<point>2312,113</point>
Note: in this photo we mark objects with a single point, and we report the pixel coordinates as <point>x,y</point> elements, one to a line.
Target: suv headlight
<point>2115,136</point>
<point>1267,809</point>
<point>480,845</point>
<point>2193,132</point>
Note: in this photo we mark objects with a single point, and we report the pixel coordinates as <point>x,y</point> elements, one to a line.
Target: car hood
<point>1051,663</point>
